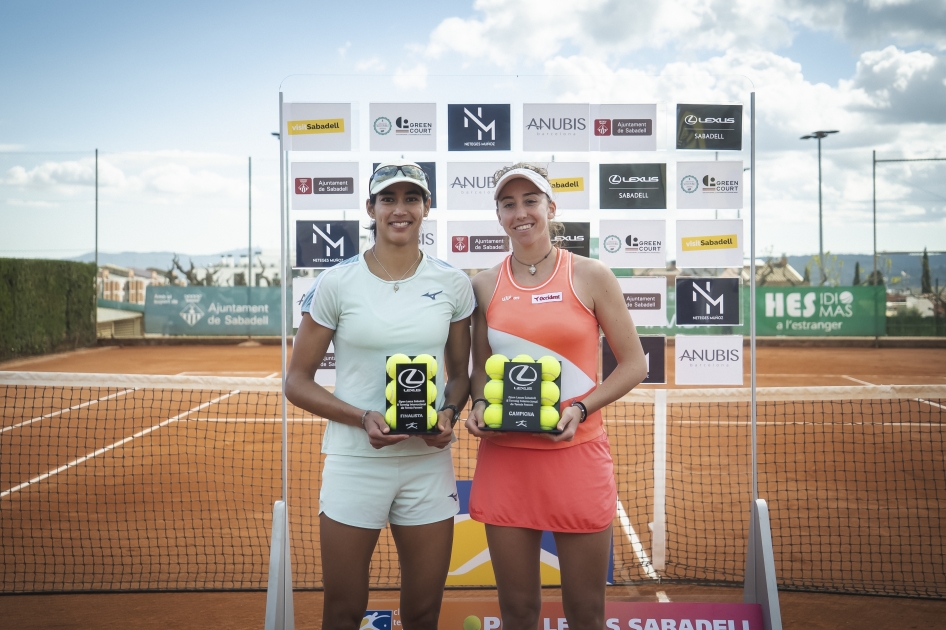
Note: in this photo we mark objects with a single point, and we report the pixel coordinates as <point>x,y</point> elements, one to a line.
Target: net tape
<point>141,482</point>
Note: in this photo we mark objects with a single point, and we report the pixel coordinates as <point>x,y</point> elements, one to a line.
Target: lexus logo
<point>690,120</point>
<point>411,378</point>
<point>617,179</point>
<point>523,375</point>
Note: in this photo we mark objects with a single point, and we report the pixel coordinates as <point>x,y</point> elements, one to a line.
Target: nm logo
<point>707,301</point>
<point>478,128</point>
<point>321,244</point>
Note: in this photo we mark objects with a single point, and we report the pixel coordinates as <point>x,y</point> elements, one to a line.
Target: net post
<point>280,613</point>
<point>658,552</point>
<point>752,297</point>
<point>761,586</point>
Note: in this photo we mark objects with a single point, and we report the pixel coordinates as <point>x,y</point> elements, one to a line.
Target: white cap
<point>400,177</point>
<point>523,173</point>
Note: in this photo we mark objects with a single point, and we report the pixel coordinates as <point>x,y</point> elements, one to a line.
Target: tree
<point>925,285</point>
<point>830,268</point>
<point>210,273</point>
<point>857,273</point>
<point>875,278</point>
<point>807,278</point>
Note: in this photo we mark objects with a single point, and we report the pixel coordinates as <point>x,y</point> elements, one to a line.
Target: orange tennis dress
<point>524,480</point>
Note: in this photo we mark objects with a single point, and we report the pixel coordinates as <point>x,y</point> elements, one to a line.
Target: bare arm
<point>308,350</point>
<point>483,285</point>
<point>457,391</point>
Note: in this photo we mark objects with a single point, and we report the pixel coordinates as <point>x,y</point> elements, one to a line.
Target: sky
<point>177,96</point>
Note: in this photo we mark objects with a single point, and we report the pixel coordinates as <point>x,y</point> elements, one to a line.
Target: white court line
<point>61,411</point>
<point>274,375</point>
<point>105,449</point>
<point>252,420</point>
<point>662,597</point>
<point>931,403</point>
<point>857,380</point>
<point>636,542</point>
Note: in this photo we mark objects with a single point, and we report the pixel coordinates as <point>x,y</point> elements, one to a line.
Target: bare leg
<point>424,554</point>
<point>346,556</point>
<point>583,559</point>
<point>515,555</point>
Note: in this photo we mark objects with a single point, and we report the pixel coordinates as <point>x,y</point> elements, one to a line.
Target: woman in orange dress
<point>543,300</point>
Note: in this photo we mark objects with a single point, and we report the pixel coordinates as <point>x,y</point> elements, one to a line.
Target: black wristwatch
<point>456,413</point>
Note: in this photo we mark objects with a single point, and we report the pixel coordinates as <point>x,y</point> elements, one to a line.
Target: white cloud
<point>901,86</point>
<point>372,64</point>
<point>411,78</point>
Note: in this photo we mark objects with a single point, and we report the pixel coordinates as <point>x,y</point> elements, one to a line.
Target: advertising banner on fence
<point>476,244</point>
<point>402,126</point>
<point>474,614</point>
<point>212,311</point>
<point>324,186</point>
<point>709,127</point>
<point>632,186</point>
<point>708,359</point>
<point>476,127</point>
<point>646,299</point>
<point>709,185</point>
<point>555,127</point>
<point>821,311</point>
<point>624,127</point>
<point>470,185</point>
<point>709,244</point>
<point>323,244</point>
<point>632,244</point>
<point>571,185</point>
<point>316,127</point>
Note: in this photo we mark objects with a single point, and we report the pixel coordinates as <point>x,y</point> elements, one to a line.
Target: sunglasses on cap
<point>385,173</point>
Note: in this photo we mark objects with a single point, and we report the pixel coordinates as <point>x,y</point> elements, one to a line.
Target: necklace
<point>532,266</point>
<point>396,282</point>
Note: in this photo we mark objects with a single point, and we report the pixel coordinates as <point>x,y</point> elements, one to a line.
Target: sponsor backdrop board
<point>470,185</point>
<point>576,239</point>
<point>821,311</point>
<point>212,311</point>
<point>316,127</point>
<point>655,356</point>
<point>428,238</point>
<point>555,127</point>
<point>478,127</point>
<point>402,126</point>
<point>709,244</point>
<point>325,375</point>
<point>430,169</point>
<point>632,186</point>
<point>632,244</point>
<point>476,244</point>
<point>484,614</point>
<point>324,186</point>
<point>709,127</point>
<point>323,244</point>
<point>624,127</point>
<point>708,359</point>
<point>646,299</point>
<point>570,184</point>
<point>707,301</point>
<point>709,185</point>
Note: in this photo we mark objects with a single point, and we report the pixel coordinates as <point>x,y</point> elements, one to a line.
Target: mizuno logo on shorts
<point>547,297</point>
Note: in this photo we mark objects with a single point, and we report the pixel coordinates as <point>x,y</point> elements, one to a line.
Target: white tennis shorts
<point>371,491</point>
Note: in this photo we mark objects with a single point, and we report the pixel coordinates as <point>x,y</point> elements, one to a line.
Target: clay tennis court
<point>164,489</point>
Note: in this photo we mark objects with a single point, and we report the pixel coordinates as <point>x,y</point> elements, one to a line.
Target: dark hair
<point>556,228</point>
<point>373,228</point>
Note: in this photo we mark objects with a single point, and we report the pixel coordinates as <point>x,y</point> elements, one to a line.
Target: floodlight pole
<point>819,135</point>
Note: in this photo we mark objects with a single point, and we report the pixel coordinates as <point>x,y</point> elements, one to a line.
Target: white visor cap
<point>523,173</point>
<point>377,187</point>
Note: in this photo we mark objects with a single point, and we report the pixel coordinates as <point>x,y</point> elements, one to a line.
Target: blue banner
<point>238,311</point>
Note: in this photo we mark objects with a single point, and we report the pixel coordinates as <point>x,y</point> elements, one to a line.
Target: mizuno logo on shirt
<point>547,297</point>
<point>432,296</point>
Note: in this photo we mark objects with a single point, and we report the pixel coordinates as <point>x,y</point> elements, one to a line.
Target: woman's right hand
<point>379,432</point>
<point>475,424</point>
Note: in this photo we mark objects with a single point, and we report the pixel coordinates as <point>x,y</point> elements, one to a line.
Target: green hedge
<point>45,306</point>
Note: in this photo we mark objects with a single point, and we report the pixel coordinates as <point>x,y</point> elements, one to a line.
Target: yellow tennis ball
<point>493,392</point>
<point>551,368</point>
<point>431,392</point>
<point>431,418</point>
<point>390,417</point>
<point>396,359</point>
<point>390,392</point>
<point>430,361</point>
<point>550,393</point>
<point>493,416</point>
<point>472,623</point>
<point>548,417</point>
<point>494,366</point>
<point>523,358</point>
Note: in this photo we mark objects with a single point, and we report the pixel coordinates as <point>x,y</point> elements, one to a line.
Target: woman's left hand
<point>568,425</point>
<point>442,439</point>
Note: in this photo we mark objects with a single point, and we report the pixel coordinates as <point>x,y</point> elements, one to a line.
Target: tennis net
<point>142,482</point>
